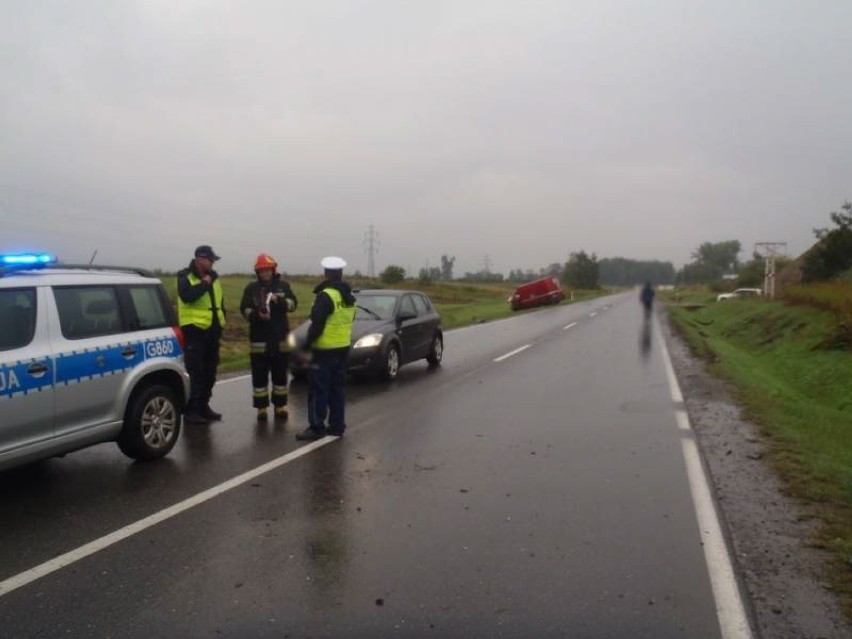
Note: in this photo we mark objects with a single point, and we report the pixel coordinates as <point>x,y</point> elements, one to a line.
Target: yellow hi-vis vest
<point>199,312</point>
<point>338,327</point>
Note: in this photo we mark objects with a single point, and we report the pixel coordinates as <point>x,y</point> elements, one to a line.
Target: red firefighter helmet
<point>265,261</point>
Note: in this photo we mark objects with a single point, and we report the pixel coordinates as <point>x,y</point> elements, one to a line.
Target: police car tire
<point>131,440</point>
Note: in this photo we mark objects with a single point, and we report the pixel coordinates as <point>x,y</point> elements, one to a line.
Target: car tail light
<point>180,338</point>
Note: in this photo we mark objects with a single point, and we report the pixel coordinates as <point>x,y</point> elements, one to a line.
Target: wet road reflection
<point>645,338</point>
<point>326,548</point>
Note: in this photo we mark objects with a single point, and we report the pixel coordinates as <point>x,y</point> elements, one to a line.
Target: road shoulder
<point>771,533</point>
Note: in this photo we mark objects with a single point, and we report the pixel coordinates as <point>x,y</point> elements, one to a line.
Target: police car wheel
<point>436,351</point>
<point>392,360</point>
<point>152,424</point>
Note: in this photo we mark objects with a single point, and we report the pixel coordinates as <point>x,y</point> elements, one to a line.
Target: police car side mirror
<point>406,315</point>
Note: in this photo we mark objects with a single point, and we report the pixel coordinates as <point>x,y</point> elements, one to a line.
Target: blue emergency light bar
<point>27,259</point>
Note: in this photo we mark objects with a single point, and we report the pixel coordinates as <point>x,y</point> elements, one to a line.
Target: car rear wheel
<point>436,351</point>
<point>392,362</point>
<point>152,424</point>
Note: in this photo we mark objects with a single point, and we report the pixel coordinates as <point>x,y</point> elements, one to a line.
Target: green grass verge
<point>792,366</point>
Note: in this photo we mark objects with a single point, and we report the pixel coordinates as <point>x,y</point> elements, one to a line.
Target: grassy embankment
<point>458,303</point>
<point>791,362</point>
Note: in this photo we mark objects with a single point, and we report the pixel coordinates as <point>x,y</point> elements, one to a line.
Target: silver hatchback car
<point>87,354</point>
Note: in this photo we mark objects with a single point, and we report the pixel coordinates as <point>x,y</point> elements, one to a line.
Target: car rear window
<point>87,311</point>
<point>148,307</point>
<point>17,317</point>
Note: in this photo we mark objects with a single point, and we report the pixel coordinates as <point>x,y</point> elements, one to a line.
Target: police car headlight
<point>373,339</point>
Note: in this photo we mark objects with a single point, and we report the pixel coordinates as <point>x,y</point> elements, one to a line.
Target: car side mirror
<point>406,315</point>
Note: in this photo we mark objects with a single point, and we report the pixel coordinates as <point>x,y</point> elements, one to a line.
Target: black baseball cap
<point>206,251</point>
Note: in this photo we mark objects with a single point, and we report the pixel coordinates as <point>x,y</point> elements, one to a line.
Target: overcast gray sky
<point>521,131</point>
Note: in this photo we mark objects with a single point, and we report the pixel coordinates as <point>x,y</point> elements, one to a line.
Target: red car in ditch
<point>545,290</point>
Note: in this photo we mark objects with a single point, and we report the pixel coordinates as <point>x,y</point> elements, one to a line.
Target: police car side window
<point>17,317</point>
<point>87,311</point>
<point>148,307</point>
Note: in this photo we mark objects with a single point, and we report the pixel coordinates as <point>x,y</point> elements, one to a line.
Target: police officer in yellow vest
<point>201,314</point>
<point>328,340</point>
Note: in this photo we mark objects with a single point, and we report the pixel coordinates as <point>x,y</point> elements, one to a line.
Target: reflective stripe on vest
<point>199,312</point>
<point>338,327</point>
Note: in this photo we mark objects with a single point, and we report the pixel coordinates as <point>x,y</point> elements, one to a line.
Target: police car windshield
<point>375,307</point>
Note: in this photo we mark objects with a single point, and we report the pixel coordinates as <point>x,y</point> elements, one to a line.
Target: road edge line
<point>730,609</point>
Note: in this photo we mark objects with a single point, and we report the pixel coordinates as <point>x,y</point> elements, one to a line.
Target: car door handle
<point>128,353</point>
<point>37,369</point>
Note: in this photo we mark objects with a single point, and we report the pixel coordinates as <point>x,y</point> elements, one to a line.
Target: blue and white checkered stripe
<point>15,380</point>
<point>82,365</point>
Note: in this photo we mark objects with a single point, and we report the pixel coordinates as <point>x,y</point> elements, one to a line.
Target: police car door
<point>91,357</point>
<point>26,369</point>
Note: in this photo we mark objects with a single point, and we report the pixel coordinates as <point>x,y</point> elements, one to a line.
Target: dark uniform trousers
<point>265,360</point>
<point>201,357</point>
<point>326,396</point>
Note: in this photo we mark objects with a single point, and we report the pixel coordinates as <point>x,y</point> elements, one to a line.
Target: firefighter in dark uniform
<point>266,304</point>
<point>328,340</point>
<point>201,315</point>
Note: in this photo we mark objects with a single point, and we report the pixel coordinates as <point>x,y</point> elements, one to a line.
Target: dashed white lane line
<point>730,610</point>
<point>510,353</point>
<point>571,325</point>
<point>42,570</point>
<point>593,313</point>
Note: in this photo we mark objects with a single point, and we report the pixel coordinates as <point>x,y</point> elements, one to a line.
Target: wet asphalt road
<point>540,495</point>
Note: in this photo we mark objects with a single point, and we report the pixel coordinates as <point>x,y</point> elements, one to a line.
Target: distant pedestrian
<point>201,315</point>
<point>328,340</point>
<point>266,304</point>
<point>647,297</point>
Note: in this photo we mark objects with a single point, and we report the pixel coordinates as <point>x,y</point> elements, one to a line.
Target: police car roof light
<point>27,259</point>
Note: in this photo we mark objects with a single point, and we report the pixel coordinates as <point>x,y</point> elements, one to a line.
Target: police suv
<point>87,354</point>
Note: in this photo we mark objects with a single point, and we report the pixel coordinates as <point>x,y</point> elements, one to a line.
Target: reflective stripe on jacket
<point>200,312</point>
<point>338,327</point>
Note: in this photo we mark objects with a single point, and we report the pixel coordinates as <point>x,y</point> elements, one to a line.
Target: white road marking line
<point>571,325</point>
<point>233,379</point>
<point>593,313</point>
<point>730,610</point>
<point>514,352</point>
<point>42,570</point>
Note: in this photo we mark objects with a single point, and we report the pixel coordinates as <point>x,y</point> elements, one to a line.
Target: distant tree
<point>447,264</point>
<point>552,270</point>
<point>581,271</point>
<point>710,262</point>
<point>424,276</point>
<point>392,274</point>
<point>833,254</point>
<point>483,276</point>
<point>435,274</point>
<point>619,271</point>
<point>721,255</point>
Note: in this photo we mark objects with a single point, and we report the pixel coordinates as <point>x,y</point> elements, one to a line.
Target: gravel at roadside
<point>770,533</point>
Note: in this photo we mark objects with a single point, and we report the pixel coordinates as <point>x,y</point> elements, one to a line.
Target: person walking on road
<point>201,315</point>
<point>328,340</point>
<point>647,297</point>
<point>266,304</point>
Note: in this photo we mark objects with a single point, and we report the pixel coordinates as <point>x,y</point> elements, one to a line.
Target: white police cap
<point>333,263</point>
